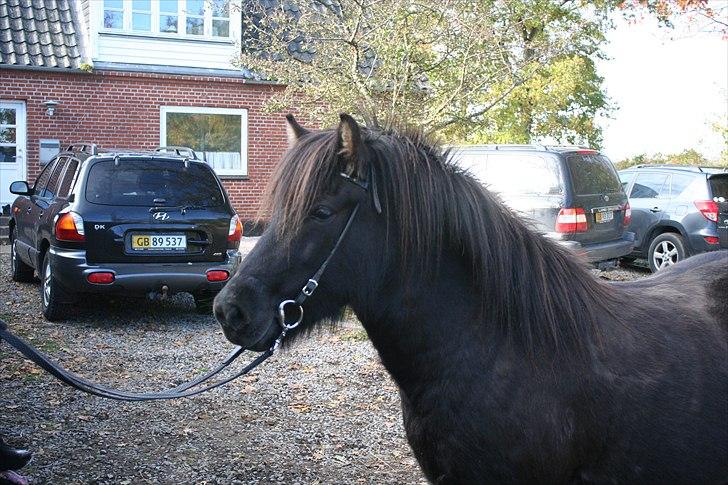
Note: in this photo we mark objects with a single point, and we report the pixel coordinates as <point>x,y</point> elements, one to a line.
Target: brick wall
<point>114,109</point>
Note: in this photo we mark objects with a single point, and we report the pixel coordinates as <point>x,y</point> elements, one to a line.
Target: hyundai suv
<point>676,211</point>
<point>570,194</point>
<point>123,222</point>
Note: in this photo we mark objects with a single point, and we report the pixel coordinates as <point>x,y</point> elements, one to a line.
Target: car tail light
<point>712,239</point>
<point>235,232</point>
<point>709,208</point>
<point>101,277</point>
<point>217,275</point>
<point>69,227</point>
<point>627,214</point>
<point>571,220</point>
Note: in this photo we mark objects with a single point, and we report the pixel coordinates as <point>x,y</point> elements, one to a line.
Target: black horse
<point>514,364</point>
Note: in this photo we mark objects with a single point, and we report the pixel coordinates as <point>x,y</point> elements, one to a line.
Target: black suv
<point>124,222</point>
<point>570,194</point>
<point>676,211</point>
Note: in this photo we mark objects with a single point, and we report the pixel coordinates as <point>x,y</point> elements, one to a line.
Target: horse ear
<point>350,140</point>
<point>294,130</point>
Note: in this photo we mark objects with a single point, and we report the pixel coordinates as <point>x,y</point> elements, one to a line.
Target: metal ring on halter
<point>282,315</point>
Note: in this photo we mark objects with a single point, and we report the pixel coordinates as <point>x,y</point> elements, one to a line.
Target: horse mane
<point>537,294</point>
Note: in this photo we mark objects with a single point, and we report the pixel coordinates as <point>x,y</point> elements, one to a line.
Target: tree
<point>689,156</point>
<point>486,70</point>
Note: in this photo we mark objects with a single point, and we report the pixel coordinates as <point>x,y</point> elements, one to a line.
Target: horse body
<point>514,364</point>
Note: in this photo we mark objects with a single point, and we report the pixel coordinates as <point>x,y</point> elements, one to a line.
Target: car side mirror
<point>20,188</point>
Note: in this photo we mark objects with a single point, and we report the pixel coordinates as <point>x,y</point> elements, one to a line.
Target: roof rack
<point>83,146</point>
<point>180,151</point>
<point>686,168</point>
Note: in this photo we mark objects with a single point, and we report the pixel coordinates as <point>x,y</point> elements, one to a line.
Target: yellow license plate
<point>158,241</point>
<point>603,217</point>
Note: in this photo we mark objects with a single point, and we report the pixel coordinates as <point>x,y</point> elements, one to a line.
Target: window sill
<point>233,177</point>
<point>172,37</point>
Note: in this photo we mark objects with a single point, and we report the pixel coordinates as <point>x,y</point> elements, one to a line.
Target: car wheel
<point>203,303</point>
<point>666,250</point>
<point>19,271</point>
<point>53,298</point>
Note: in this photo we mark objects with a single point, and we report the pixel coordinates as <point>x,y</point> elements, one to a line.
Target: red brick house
<point>133,74</point>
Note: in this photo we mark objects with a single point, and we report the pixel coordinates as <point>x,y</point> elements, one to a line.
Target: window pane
<point>679,183</point>
<point>648,186</point>
<point>42,179</point>
<point>215,137</point>
<point>593,174</point>
<point>144,5</point>
<point>168,6</point>
<point>113,20</point>
<point>195,26</point>
<point>220,8</point>
<point>53,183</point>
<point>195,7</point>
<point>7,116</point>
<point>7,154</point>
<point>221,28</point>
<point>7,135</point>
<point>65,189</point>
<point>114,4</point>
<point>168,23</point>
<point>139,182</point>
<point>536,175</point>
<point>141,21</point>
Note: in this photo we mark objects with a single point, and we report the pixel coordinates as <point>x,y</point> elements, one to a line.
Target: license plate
<point>158,242</point>
<point>601,217</point>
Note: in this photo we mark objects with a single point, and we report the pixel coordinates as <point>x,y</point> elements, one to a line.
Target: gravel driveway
<point>324,411</point>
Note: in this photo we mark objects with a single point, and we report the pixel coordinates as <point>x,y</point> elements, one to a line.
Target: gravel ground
<point>323,411</point>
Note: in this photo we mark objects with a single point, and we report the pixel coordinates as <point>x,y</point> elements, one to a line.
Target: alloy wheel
<point>47,275</point>
<point>665,255</point>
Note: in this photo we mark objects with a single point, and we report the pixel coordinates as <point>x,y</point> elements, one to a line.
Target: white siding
<point>162,49</point>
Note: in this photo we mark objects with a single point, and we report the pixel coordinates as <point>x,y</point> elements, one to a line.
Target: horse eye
<point>322,213</point>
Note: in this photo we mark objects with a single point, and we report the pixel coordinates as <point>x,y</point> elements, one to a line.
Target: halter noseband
<point>313,282</point>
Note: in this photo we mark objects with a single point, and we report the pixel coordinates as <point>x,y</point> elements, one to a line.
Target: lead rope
<point>186,389</point>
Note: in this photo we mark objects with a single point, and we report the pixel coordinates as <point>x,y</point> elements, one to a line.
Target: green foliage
<point>688,156</point>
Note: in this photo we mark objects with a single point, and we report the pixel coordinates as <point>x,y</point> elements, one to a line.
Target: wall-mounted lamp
<point>50,107</point>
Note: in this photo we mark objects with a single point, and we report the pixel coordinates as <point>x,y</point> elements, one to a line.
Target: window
<point>649,186</point>
<point>195,12</point>
<point>144,182</point>
<point>220,18</point>
<point>168,15</point>
<point>209,19</point>
<point>520,175</point>
<point>593,174</point>
<point>625,178</point>
<point>67,182</point>
<point>218,135</point>
<point>678,183</point>
<point>42,180</point>
<point>8,134</point>
<point>52,188</point>
<point>114,14</point>
<point>141,15</point>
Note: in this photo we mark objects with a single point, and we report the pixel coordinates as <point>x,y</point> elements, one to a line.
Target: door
<point>12,147</point>
<point>649,199</point>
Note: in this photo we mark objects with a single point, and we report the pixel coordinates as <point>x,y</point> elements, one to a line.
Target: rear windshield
<point>719,186</point>
<point>593,174</point>
<point>152,182</point>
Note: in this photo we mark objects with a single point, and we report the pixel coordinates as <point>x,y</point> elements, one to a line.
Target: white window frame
<point>243,113</point>
<point>152,5</point>
<point>181,22</point>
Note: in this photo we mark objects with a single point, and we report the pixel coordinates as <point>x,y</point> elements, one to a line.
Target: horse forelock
<point>533,291</point>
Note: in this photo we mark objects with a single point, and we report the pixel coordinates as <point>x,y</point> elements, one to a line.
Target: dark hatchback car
<point>676,211</point>
<point>124,222</point>
<point>570,194</point>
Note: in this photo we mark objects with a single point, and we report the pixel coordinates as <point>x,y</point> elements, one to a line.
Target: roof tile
<point>38,33</point>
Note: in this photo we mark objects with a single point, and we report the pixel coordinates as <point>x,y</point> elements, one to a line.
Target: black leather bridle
<point>191,387</point>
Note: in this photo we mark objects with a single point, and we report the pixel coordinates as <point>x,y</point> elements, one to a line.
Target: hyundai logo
<point>161,216</point>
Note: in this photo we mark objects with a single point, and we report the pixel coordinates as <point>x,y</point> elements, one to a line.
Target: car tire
<point>53,298</point>
<point>666,249</point>
<point>19,271</point>
<point>203,303</point>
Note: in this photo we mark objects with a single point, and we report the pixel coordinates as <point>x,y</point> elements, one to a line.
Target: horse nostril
<point>230,315</point>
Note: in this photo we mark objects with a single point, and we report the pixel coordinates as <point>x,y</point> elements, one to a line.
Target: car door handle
<point>655,209</point>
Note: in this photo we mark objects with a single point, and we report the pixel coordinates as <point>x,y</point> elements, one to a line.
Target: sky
<point>668,87</point>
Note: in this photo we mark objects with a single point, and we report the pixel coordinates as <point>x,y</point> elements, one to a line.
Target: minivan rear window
<point>593,174</point>
<point>719,186</point>
<point>152,182</point>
